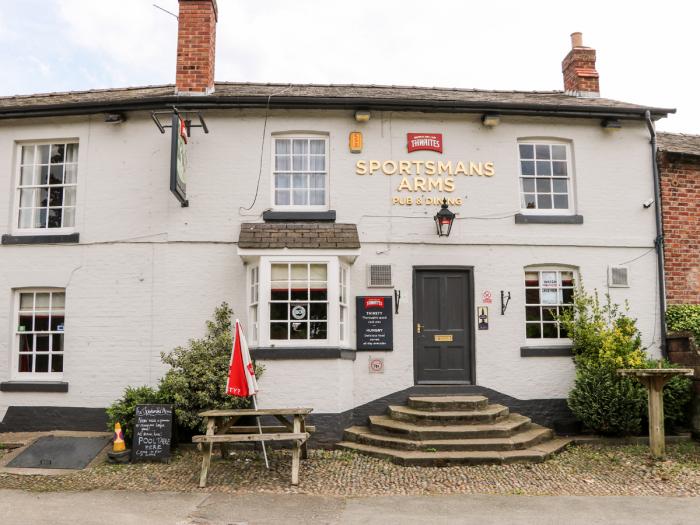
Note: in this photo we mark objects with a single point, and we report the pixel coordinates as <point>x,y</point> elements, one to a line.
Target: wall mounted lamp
<point>362,116</point>
<point>491,120</point>
<point>443,220</point>
<point>611,124</point>
<point>114,118</point>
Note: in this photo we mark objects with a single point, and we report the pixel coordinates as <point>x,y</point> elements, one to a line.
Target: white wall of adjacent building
<point>148,273</point>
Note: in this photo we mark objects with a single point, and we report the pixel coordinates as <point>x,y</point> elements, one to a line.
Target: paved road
<point>167,508</point>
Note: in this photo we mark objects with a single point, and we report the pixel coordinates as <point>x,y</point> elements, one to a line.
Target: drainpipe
<point>659,241</point>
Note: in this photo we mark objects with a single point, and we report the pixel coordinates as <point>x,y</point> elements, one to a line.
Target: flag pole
<point>255,405</point>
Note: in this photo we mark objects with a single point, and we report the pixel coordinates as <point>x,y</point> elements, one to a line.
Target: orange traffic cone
<point>119,445</point>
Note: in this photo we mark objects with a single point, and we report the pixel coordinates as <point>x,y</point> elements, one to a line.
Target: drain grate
<point>60,452</point>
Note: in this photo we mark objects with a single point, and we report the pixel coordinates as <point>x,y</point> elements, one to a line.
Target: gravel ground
<point>580,470</point>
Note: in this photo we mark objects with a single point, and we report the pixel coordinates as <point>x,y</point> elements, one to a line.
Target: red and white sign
<point>424,142</point>
<point>376,366</point>
<point>374,302</point>
<point>486,297</point>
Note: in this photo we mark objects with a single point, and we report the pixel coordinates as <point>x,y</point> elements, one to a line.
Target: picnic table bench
<point>221,429</point>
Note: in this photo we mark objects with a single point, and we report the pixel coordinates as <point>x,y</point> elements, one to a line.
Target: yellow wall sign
<point>355,142</point>
<point>425,176</point>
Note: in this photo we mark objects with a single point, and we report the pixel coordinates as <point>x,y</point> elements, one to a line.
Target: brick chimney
<point>196,42</point>
<point>580,75</point>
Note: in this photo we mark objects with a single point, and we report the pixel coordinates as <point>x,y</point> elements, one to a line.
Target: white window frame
<point>273,172</point>
<point>15,374</point>
<point>16,230</point>
<point>344,305</point>
<point>571,210</point>
<point>253,304</point>
<point>546,341</point>
<point>333,326</point>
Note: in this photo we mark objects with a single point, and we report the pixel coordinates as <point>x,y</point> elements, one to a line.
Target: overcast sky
<point>647,51</point>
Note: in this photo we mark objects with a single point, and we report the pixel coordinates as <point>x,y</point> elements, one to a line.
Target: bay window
<point>299,301</point>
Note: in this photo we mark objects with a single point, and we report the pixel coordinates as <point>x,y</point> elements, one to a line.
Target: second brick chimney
<point>580,75</point>
<point>196,45</point>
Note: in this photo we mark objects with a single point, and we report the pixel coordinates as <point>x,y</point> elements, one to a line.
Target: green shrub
<point>684,317</point>
<point>197,378</point>
<point>606,403</point>
<point>123,410</point>
<point>604,339</point>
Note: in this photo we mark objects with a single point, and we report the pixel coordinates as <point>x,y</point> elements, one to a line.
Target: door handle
<point>419,327</point>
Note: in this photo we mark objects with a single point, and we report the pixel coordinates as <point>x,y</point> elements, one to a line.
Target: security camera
<point>647,203</point>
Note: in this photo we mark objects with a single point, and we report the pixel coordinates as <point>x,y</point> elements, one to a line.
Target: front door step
<point>451,430</point>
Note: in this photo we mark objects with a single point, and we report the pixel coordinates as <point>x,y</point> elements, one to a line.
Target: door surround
<point>471,338</point>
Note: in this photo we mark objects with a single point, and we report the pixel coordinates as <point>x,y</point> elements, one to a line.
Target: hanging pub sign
<point>374,323</point>
<point>178,159</point>
<point>424,142</point>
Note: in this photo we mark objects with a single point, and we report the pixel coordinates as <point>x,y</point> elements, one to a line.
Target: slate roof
<point>679,143</point>
<point>322,235</point>
<point>230,94</point>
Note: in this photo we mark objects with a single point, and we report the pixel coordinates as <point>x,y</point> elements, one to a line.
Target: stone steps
<point>443,458</point>
<point>452,430</point>
<point>439,403</point>
<point>528,438</point>
<point>490,414</point>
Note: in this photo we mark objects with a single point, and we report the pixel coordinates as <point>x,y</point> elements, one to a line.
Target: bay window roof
<point>319,235</point>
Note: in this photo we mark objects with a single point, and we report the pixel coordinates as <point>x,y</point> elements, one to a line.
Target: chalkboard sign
<point>374,323</point>
<point>153,427</point>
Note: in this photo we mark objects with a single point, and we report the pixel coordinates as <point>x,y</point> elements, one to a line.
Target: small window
<point>47,186</point>
<point>545,177</point>
<point>299,302</point>
<point>548,293</point>
<point>300,174</point>
<point>40,332</point>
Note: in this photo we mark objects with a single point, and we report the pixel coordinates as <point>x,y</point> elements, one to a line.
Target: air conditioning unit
<point>618,277</point>
<point>379,276</point>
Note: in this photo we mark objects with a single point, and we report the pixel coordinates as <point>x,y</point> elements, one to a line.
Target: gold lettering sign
<point>443,338</point>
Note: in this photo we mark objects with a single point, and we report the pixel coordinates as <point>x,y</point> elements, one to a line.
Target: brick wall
<point>680,199</point>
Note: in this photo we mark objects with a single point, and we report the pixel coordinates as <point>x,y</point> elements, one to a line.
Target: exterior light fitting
<point>114,118</point>
<point>443,220</point>
<point>491,120</point>
<point>611,124</point>
<point>362,116</point>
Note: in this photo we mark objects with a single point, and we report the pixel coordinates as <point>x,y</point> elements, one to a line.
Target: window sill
<point>72,238</point>
<point>34,386</point>
<point>302,353</point>
<point>299,216</point>
<point>524,218</point>
<point>546,351</point>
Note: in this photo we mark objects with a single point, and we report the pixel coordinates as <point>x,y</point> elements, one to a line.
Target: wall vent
<point>618,277</point>
<point>379,276</point>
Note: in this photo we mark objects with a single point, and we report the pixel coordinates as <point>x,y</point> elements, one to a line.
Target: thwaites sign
<point>374,323</point>
<point>424,142</point>
<point>178,159</point>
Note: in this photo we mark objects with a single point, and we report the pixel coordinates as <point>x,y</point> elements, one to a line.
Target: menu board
<point>374,323</point>
<point>153,427</point>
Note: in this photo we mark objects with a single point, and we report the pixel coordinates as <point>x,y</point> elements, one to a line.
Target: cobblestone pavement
<point>580,470</point>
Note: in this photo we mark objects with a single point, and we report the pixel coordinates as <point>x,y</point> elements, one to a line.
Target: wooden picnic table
<point>221,429</point>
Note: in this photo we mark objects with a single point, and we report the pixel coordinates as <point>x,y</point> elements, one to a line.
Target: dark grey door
<point>443,341</point>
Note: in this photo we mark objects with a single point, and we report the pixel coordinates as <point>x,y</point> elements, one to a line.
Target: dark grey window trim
<point>72,238</point>
<point>302,353</point>
<point>525,218</point>
<point>546,351</point>
<point>299,216</point>
<point>34,386</point>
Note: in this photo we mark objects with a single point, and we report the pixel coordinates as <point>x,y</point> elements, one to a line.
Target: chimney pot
<point>576,40</point>
<point>196,47</point>
<point>578,67</point>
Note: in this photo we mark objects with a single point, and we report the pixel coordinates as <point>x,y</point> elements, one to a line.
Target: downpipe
<point>659,241</point>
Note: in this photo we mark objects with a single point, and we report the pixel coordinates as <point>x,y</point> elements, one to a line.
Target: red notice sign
<point>374,302</point>
<point>424,141</point>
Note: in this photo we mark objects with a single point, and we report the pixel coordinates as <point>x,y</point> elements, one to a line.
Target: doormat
<point>60,452</point>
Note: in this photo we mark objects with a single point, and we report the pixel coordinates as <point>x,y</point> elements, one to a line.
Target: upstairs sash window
<point>300,172</point>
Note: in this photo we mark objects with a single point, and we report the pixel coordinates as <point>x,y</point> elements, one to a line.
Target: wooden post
<point>657,440</point>
<point>304,446</point>
<point>296,451</point>
<point>206,453</point>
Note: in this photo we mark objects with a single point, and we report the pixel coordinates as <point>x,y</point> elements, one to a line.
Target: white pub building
<point>129,215</point>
